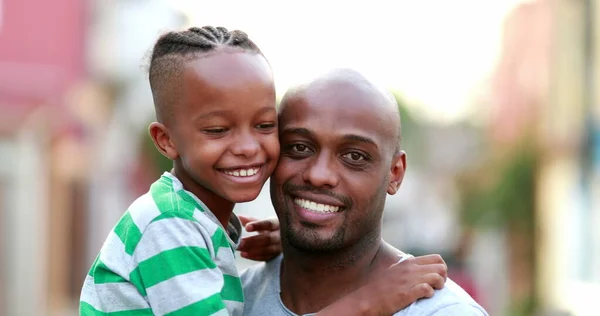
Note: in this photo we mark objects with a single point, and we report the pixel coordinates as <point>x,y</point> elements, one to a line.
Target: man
<point>340,156</point>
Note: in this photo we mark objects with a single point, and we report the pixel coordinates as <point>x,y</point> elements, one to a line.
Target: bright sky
<point>435,53</point>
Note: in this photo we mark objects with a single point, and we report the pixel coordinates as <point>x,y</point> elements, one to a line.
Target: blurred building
<point>65,72</point>
<point>569,187</point>
<point>546,82</point>
<point>41,61</point>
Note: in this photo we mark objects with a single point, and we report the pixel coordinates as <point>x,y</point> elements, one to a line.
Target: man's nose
<point>321,171</point>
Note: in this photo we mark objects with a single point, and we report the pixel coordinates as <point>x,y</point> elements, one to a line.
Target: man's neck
<point>310,282</point>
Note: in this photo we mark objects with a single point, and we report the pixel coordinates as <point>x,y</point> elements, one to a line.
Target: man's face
<point>338,158</point>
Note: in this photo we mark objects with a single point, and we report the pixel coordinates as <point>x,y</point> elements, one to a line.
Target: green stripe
<point>128,232</point>
<point>167,200</point>
<point>181,215</point>
<point>102,274</point>
<point>190,199</point>
<point>162,192</point>
<point>136,279</point>
<point>220,240</point>
<point>207,306</point>
<point>166,180</point>
<point>232,289</point>
<point>86,309</point>
<point>174,262</point>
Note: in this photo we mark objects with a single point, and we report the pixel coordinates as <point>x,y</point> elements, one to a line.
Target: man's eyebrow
<point>297,130</point>
<point>361,139</point>
<point>349,138</point>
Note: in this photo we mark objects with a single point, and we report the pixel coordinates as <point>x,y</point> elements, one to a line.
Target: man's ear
<point>397,172</point>
<point>162,140</point>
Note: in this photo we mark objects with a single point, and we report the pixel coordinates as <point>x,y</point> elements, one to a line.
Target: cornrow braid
<point>174,48</point>
<point>201,40</point>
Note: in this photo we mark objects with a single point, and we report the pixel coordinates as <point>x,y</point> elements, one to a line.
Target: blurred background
<point>501,118</point>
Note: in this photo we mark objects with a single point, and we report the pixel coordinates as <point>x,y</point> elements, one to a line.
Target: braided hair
<point>172,49</point>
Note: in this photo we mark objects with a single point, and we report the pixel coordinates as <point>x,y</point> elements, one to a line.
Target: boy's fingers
<point>255,257</point>
<point>428,259</point>
<point>254,242</point>
<point>262,254</point>
<point>437,268</point>
<point>435,280</point>
<point>246,219</point>
<point>421,290</point>
<point>269,250</point>
<point>268,224</point>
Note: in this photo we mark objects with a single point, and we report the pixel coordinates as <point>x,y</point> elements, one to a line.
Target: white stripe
<point>88,293</point>
<point>223,312</point>
<point>224,261</point>
<point>112,297</point>
<point>113,255</point>
<point>143,211</point>
<point>171,233</point>
<point>184,289</point>
<point>234,308</point>
<point>206,222</point>
<point>177,185</point>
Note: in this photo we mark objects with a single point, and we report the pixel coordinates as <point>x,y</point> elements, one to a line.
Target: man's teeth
<point>316,207</point>
<point>242,172</point>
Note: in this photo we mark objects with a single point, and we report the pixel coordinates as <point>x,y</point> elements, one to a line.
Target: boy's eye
<point>215,130</point>
<point>266,126</point>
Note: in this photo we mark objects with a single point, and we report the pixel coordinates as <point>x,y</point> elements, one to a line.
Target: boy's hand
<point>264,246</point>
<point>394,289</point>
<point>405,282</point>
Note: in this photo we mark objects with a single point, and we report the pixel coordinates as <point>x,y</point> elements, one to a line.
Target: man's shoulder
<point>261,273</point>
<point>261,288</point>
<point>451,300</point>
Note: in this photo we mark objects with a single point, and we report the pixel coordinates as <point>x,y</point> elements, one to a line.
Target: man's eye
<point>355,157</point>
<point>299,148</point>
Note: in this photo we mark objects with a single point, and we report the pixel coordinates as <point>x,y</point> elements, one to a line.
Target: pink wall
<point>41,49</point>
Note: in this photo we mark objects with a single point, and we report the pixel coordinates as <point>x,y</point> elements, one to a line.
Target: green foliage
<point>503,193</point>
<point>160,162</point>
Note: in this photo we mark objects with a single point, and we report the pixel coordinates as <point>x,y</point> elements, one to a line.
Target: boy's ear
<point>397,172</point>
<point>162,140</point>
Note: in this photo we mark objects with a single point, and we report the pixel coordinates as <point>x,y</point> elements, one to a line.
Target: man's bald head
<point>345,87</point>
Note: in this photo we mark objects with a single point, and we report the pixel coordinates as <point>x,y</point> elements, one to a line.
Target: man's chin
<point>307,240</point>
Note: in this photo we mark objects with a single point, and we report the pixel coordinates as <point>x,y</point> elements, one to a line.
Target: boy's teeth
<point>316,207</point>
<point>242,172</point>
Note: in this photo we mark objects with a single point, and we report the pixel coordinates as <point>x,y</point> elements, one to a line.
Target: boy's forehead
<point>224,69</point>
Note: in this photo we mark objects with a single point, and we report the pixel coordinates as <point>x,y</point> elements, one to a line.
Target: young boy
<point>172,252</point>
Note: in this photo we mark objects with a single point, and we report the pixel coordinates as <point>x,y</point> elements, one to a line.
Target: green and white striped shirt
<point>167,255</point>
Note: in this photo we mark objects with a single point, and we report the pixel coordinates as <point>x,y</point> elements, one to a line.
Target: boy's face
<point>225,126</point>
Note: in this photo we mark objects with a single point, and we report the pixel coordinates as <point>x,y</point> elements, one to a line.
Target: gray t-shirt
<point>262,296</point>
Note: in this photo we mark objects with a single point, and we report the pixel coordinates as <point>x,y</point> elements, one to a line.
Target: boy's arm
<point>401,285</point>
<point>175,269</point>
